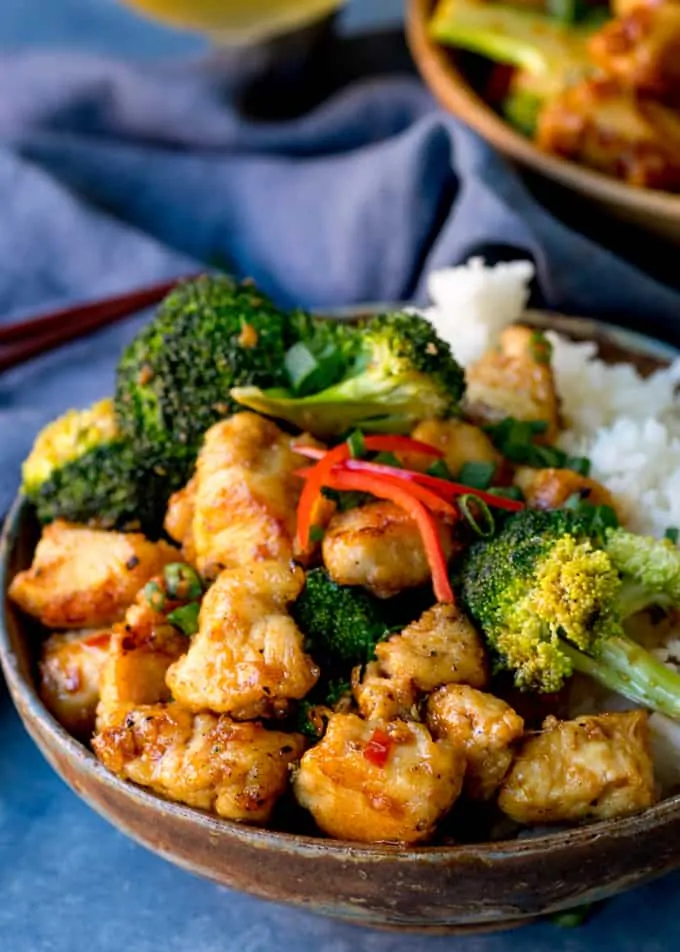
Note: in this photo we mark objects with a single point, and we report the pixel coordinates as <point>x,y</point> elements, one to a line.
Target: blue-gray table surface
<point>71,883</point>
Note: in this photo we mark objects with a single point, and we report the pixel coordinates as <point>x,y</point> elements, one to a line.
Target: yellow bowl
<point>447,77</point>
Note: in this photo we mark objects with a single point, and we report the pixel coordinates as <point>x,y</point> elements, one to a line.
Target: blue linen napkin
<point>113,175</point>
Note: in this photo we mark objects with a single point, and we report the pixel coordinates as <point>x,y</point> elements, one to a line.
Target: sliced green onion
<point>483,524</point>
<point>514,439</point>
<point>316,533</point>
<point>356,444</point>
<point>578,464</point>
<point>387,459</point>
<point>181,581</point>
<point>309,372</point>
<point>672,533</point>
<point>541,348</point>
<point>186,618</point>
<point>572,918</point>
<point>440,470</point>
<point>507,492</point>
<point>154,595</point>
<point>477,475</point>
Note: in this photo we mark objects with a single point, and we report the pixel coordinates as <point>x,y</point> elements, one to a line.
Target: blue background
<point>104,893</point>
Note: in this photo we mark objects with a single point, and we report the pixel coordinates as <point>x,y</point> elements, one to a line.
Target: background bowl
<point>450,78</point>
<point>438,889</point>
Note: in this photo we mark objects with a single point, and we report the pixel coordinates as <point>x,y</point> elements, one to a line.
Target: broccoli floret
<point>549,596</point>
<point>402,372</point>
<point>342,624</point>
<point>208,335</point>
<point>81,469</point>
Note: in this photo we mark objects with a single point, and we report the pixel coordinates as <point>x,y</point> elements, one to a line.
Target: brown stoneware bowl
<point>451,79</point>
<point>427,889</point>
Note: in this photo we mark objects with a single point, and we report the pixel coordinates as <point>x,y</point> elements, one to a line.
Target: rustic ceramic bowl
<point>426,889</point>
<point>447,74</point>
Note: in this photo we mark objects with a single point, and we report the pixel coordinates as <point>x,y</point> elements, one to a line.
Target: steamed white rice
<point>628,426</point>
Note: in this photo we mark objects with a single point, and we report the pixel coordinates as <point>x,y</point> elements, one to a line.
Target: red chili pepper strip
<point>380,444</point>
<point>99,640</point>
<point>444,487</point>
<point>346,481</point>
<point>311,493</point>
<point>379,747</point>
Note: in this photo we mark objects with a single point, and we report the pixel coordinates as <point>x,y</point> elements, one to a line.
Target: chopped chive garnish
<point>571,918</point>
<point>310,372</point>
<point>507,492</point>
<point>356,444</point>
<point>387,459</point>
<point>477,475</point>
<point>541,348</point>
<point>579,464</point>
<point>514,439</point>
<point>154,595</point>
<point>186,618</point>
<point>181,581</point>
<point>671,533</point>
<point>440,470</point>
<point>477,514</point>
<point>316,534</point>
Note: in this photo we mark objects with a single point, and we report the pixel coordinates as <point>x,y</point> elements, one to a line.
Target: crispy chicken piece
<point>640,49</point>
<point>484,726</point>
<point>240,506</point>
<point>550,488</point>
<point>373,781</point>
<point>70,668</point>
<point>247,659</point>
<point>609,129</point>
<point>516,380</point>
<point>141,651</point>
<point>441,647</point>
<point>591,767</point>
<point>179,519</point>
<point>381,698</point>
<point>460,442</point>
<point>378,546</point>
<point>86,578</point>
<point>206,761</point>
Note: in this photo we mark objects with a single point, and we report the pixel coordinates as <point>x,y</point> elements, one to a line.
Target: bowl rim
<point>32,711</point>
<point>451,88</point>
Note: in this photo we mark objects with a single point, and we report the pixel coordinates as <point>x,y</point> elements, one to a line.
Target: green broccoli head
<point>341,624</point>
<point>549,598</point>
<point>210,334</point>
<point>82,470</point>
<point>401,372</point>
<point>651,564</point>
<point>534,585</point>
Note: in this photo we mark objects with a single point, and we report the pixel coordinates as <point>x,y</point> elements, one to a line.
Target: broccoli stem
<point>627,668</point>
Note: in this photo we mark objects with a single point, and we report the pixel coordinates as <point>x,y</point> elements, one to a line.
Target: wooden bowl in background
<point>446,73</point>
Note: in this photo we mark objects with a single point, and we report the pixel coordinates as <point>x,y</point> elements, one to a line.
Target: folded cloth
<point>113,175</point>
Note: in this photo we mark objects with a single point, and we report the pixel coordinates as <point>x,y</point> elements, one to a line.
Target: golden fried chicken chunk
<point>441,647</point>
<point>380,697</point>
<point>590,767</point>
<point>484,726</point>
<point>240,506</point>
<point>515,380</point>
<point>86,578</point>
<point>372,781</point>
<point>179,519</point>
<point>70,668</point>
<point>379,546</point>
<point>134,670</point>
<point>248,658</point>
<point>550,488</point>
<point>236,770</point>
<point>596,123</point>
<point>640,49</point>
<point>460,442</point>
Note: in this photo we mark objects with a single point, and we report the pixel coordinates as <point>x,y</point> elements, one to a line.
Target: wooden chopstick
<point>25,339</point>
